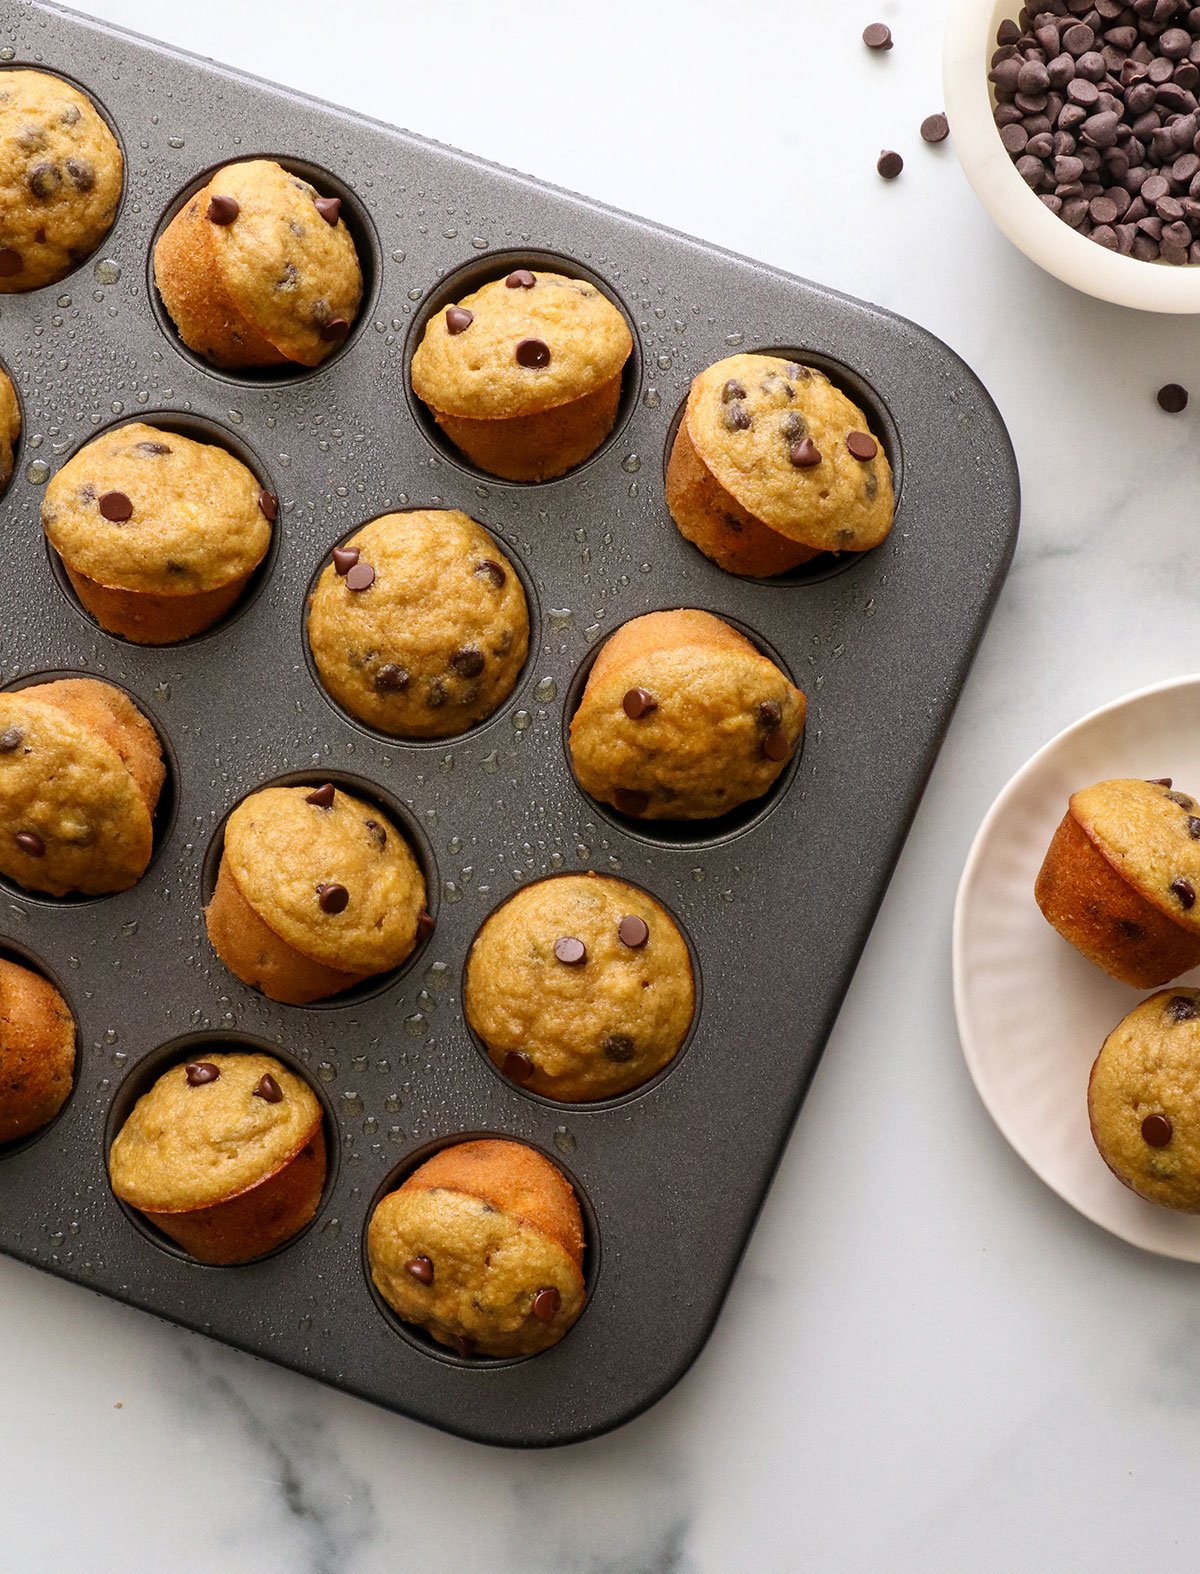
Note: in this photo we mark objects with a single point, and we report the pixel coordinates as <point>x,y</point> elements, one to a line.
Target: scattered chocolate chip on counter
<point>935,128</point>
<point>878,35</point>
<point>1173,398</point>
<point>889,164</point>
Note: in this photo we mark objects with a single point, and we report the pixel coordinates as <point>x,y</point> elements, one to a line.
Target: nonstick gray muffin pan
<point>776,904</point>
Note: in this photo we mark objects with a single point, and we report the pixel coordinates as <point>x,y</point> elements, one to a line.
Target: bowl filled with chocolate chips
<point>1078,125</point>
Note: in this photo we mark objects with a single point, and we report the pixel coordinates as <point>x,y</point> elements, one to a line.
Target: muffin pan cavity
<point>11,951</point>
<point>777,899</point>
<point>357,220</point>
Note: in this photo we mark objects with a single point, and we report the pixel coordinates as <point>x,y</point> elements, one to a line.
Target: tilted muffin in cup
<point>37,1051</point>
<point>772,465</point>
<point>61,174</point>
<point>258,269</point>
<point>225,1154</point>
<point>524,374</point>
<point>81,770</point>
<point>316,891</point>
<point>482,1246</point>
<point>158,534</point>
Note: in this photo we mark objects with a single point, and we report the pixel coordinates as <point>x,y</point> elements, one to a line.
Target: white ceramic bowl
<point>1028,223</point>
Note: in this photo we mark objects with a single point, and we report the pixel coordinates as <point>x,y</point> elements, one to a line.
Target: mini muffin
<point>683,719</point>
<point>60,179</point>
<point>1120,878</point>
<point>80,773</point>
<point>316,891</point>
<point>158,534</point>
<point>37,1051</point>
<point>482,1246</point>
<point>418,625</point>
<point>259,269</point>
<point>225,1154</point>
<point>1144,1100</point>
<point>524,375</point>
<point>580,987</point>
<point>772,465</point>
<point>10,427</point>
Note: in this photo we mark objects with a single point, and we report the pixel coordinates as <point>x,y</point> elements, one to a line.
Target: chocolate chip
<point>334,330</point>
<point>421,1269</point>
<point>532,353</point>
<point>377,834</point>
<point>332,898</point>
<point>804,454</point>
<point>775,745</point>
<point>638,703</point>
<point>630,801</point>
<point>1173,398</point>
<point>269,504</point>
<point>11,739</point>
<point>520,279</point>
<point>153,450</point>
<point>392,679</point>
<point>935,128</point>
<point>30,842</point>
<point>1158,781</point>
<point>770,713</point>
<point>1182,799</point>
<point>491,570</point>
<point>731,390</point>
<point>425,925</point>
<point>1157,1130</point>
<point>344,559</point>
<point>1194,828</point>
<point>45,179</point>
<point>458,319</point>
<point>546,1304</point>
<point>115,506</point>
<point>223,210</point>
<point>889,164</point>
<point>467,661</point>
<point>321,797</point>
<point>330,208</point>
<point>633,931</point>
<point>570,952</point>
<point>360,576</point>
<point>464,1346</point>
<point>877,35</point>
<point>736,417</point>
<point>1185,891</point>
<point>1183,1008</point>
<point>268,1089</point>
<point>81,174</point>
<point>517,1066</point>
<point>619,1048</point>
<point>11,262</point>
<point>198,1072</point>
<point>862,445</point>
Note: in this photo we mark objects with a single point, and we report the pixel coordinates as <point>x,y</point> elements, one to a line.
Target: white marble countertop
<point>927,1361</point>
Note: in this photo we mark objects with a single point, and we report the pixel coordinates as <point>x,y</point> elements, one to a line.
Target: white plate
<point>1032,1013</point>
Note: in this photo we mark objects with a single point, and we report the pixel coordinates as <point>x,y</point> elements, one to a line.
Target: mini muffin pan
<point>776,901</point>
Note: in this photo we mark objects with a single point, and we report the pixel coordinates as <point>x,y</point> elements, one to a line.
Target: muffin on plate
<point>580,987</point>
<point>61,175</point>
<point>1120,878</point>
<point>316,891</point>
<point>10,427</point>
<point>37,1051</point>
<point>258,269</point>
<point>81,770</point>
<point>158,534</point>
<point>1144,1100</point>
<point>482,1246</point>
<point>683,718</point>
<point>773,465</point>
<point>418,624</point>
<point>524,375</point>
<point>225,1154</point>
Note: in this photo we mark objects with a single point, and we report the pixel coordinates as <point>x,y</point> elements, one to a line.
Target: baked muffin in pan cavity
<point>37,1051</point>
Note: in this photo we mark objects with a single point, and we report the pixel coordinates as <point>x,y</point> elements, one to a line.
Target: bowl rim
<point>1031,227</point>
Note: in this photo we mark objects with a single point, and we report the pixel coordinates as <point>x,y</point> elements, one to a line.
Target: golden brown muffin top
<point>437,636</point>
<point>1144,1099</point>
<point>337,883</point>
<point>147,510</point>
<point>194,1140</point>
<point>580,986</point>
<point>779,437</point>
<point>1151,835</point>
<point>288,271</point>
<point>523,350</point>
<point>37,1050</point>
<point>80,773</point>
<point>682,718</point>
<point>10,426</point>
<point>60,179</point>
<point>482,1247</point>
